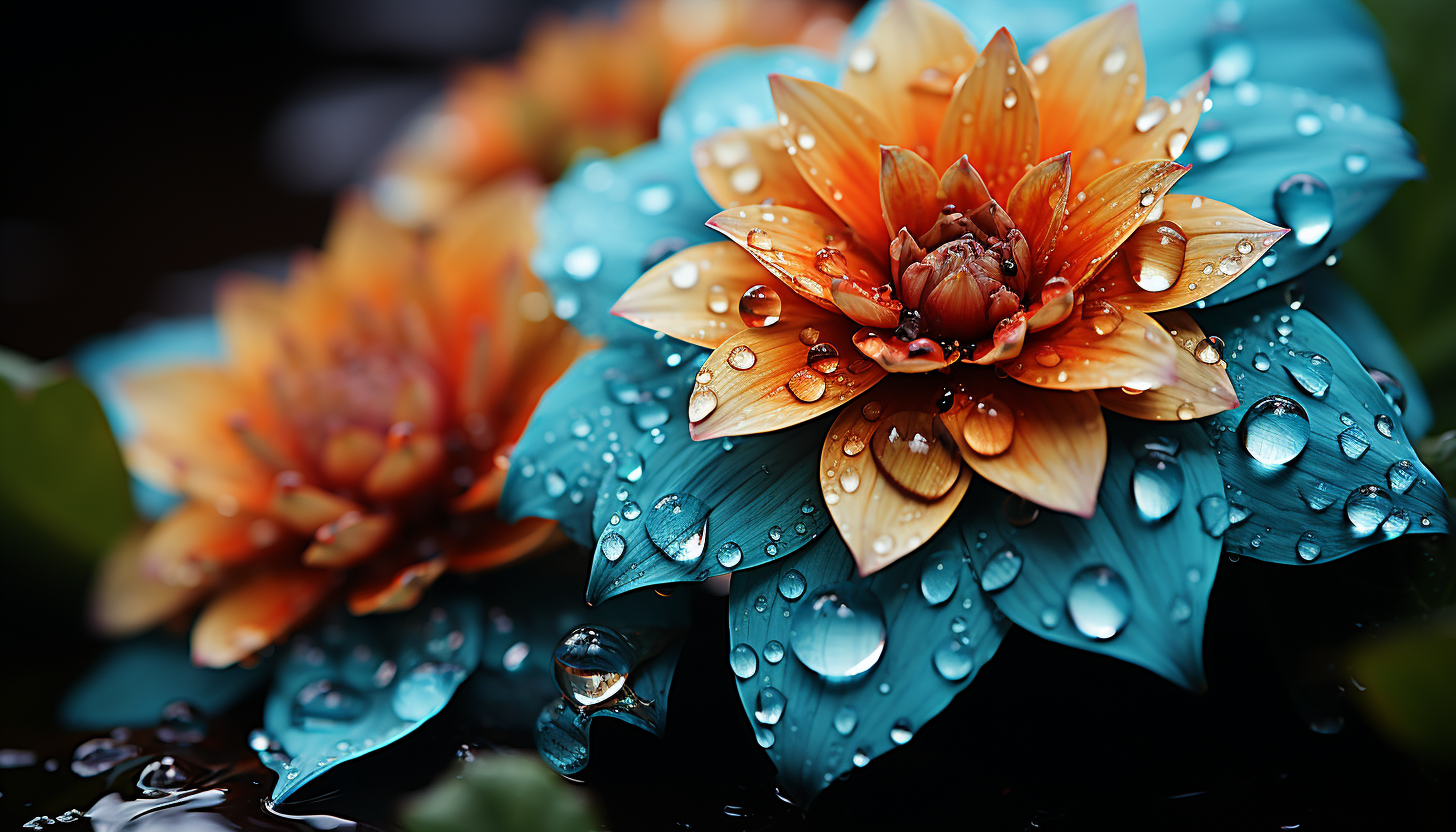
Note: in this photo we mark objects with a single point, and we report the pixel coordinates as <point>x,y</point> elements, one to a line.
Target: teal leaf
<point>606,221</point>
<point>730,89</point>
<point>1319,166</point>
<point>1120,583</point>
<point>642,662</point>
<point>136,679</point>
<point>593,414</point>
<point>1351,318</point>
<point>63,487</point>
<point>1316,461</point>
<point>835,669</point>
<point>699,509</point>
<point>354,685</point>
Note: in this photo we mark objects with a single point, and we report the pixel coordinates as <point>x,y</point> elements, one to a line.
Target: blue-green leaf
<point>1316,461</point>
<point>1319,166</point>
<point>1120,583</point>
<point>606,221</point>
<point>835,669</point>
<point>136,679</point>
<point>594,413</point>
<point>354,685</point>
<point>730,89</point>
<point>699,509</point>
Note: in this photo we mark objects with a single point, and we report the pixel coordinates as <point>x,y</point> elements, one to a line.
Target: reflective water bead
<point>1385,426</point>
<point>1275,430</point>
<point>845,720</point>
<point>1098,602</point>
<point>791,585</point>
<point>1311,371</point>
<point>678,526</point>
<point>1367,507</point>
<point>613,546</point>
<point>1261,362</point>
<point>1353,442</point>
<point>591,665</point>
<point>1157,485</point>
<point>952,660</point>
<point>1307,547</point>
<point>1001,570</point>
<point>730,554</point>
<point>743,660</point>
<point>760,306</point>
<point>773,652</point>
<point>1401,475</point>
<point>939,576</point>
<point>1305,204</point>
<point>770,706</point>
<point>841,632</point>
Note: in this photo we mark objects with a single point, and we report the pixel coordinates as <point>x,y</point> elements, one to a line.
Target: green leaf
<point>917,632</point>
<point>62,484</point>
<point>1409,680</point>
<point>500,793</point>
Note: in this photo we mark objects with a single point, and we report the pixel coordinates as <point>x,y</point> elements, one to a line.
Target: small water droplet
<point>863,58</point>
<point>1214,512</point>
<point>1385,426</point>
<point>792,584</point>
<point>770,707</point>
<point>831,261</point>
<point>760,306</point>
<point>845,720</point>
<point>1157,485</point>
<point>701,404</point>
<point>1001,570</point>
<point>1353,442</point>
<point>759,239</point>
<point>952,660</point>
<point>939,577</point>
<point>743,660</point>
<point>1308,123</point>
<point>1008,98</point>
<point>1367,507</point>
<point>1308,547</point>
<point>1401,475</point>
<point>730,554</point>
<point>1311,371</point>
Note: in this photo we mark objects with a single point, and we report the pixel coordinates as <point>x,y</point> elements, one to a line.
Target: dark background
<point>144,147</point>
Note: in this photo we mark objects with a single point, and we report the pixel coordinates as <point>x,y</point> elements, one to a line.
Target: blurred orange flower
<point>591,81</point>
<point>355,440</point>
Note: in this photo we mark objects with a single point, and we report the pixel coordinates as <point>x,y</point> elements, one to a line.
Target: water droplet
<point>824,358</point>
<point>1001,570</point>
<point>1397,523</point>
<point>1049,618</point>
<point>327,705</point>
<point>989,426</point>
<point>631,511</point>
<point>742,357</point>
<point>1317,495</point>
<point>613,546</point>
<point>1209,350</point>
<point>1311,371</point>
<point>764,736</point>
<point>901,732</point>
<point>743,660</point>
<point>840,633</point>
<point>629,466</point>
<point>1148,197</point>
<point>791,584</point>
<point>863,58</point>
<point>845,720</point>
<point>730,554</point>
<point>1180,610</point>
<point>760,306</point>
<point>650,414</point>
<point>770,707</point>
<point>805,138</point>
<point>163,775</point>
<point>759,239</point>
<point>1177,143</point>
<point>831,261</point>
<point>849,480</point>
<point>1098,602</point>
<point>861,758</point>
<point>773,652</point>
<point>1154,111</point>
<point>1008,98</point>
<point>100,755</point>
<point>1157,485</point>
<point>1214,512</point>
<point>678,526</point>
<point>1308,123</point>
<point>582,262</point>
<point>807,385</point>
<point>1102,316</point>
<point>1304,203</point>
<point>718,300</point>
<point>871,411</point>
<point>1385,426</point>
<point>1275,430</point>
<point>917,452</point>
<point>1367,507</point>
<point>939,576</point>
<point>853,445</point>
<point>952,660</point>
<point>1354,442</point>
<point>1401,475</point>
<point>1115,59</point>
<point>1212,146</point>
<point>1308,547</point>
<point>745,178</point>
<point>1261,362</point>
<point>701,403</point>
<point>1356,163</point>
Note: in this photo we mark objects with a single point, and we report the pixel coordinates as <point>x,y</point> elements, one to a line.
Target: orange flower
<point>995,234</point>
<point>356,438</point>
<point>589,81</point>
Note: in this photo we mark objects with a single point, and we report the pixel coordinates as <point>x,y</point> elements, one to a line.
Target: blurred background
<point>147,151</point>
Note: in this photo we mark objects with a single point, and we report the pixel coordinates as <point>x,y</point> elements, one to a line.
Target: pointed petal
<point>1222,243</point>
<point>865,306</point>
<point>837,150</point>
<point>879,520</point>
<point>909,40</point>
<point>806,251</point>
<point>504,542</point>
<point>1058,442</point>
<point>392,585</point>
<point>1102,345</point>
<point>411,461</point>
<point>896,356</point>
<point>750,166</point>
<point>1201,389</point>
<point>246,617</point>
<point>992,118</point>
<point>1105,214</point>
<point>779,386</point>
<point>961,185</point>
<point>350,540</point>
<point>1038,204</point>
<point>1091,80</point>
<point>693,295</point>
<point>303,507</point>
<point>1006,341</point>
<point>348,454</point>
<point>191,545</point>
<point>125,600</point>
<point>908,186</point>
<point>1161,131</point>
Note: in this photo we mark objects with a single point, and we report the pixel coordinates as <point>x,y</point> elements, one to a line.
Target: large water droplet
<point>1098,602</point>
<point>791,584</point>
<point>613,546</point>
<point>1214,512</point>
<point>770,706</point>
<point>629,466</point>
<point>1001,570</point>
<point>744,661</point>
<point>1304,203</point>
<point>678,525</point>
<point>952,659</point>
<point>760,306</point>
<point>1401,475</point>
<point>327,705</point>
<point>917,452</point>
<point>1353,442</point>
<point>939,576</point>
<point>807,385</point>
<point>1157,485</point>
<point>591,665</point>
<point>989,426</point>
<point>1275,430</point>
<point>845,720</point>
<point>1367,507</point>
<point>730,554</point>
<point>1308,547</point>
<point>1311,371</point>
<point>841,632</point>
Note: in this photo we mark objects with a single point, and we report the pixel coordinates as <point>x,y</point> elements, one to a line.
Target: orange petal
<point>1058,444</point>
<point>505,542</point>
<point>1102,345</point>
<point>1105,214</point>
<point>249,314</point>
<point>246,617</point>
<point>1160,131</point>
<point>348,454</point>
<point>865,306</point>
<point>777,386</point>
<point>125,600</point>
<point>751,166</point>
<point>485,492</point>
<point>836,147</point>
<point>1038,205</point>
<point>693,295</point>
<point>1055,306</point>
<point>1005,343</point>
<point>805,250</point>
<point>411,461</point>
<point>992,118</point>
<point>193,543</point>
<point>896,356</point>
<point>909,41</point>
<point>349,540</point>
<point>1222,243</point>
<point>1091,81</point>
<point>961,185</point>
<point>394,586</point>
<point>1201,389</point>
<point>908,187</point>
<point>303,507</point>
<point>880,521</point>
